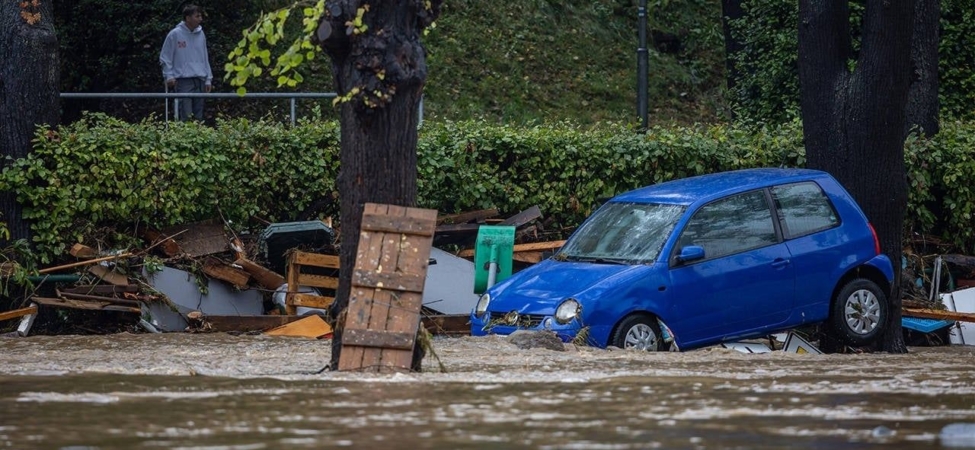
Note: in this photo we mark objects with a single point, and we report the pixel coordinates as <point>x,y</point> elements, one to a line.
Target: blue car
<point>704,260</point>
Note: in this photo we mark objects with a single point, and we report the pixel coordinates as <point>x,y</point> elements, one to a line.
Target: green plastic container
<point>493,252</point>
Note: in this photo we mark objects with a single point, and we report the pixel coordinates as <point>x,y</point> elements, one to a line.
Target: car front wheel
<point>859,313</point>
<point>640,333</point>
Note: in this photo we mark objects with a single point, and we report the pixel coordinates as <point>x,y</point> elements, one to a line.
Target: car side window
<point>804,209</point>
<point>731,225</point>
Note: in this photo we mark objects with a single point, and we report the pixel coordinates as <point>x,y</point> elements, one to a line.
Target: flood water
<point>217,391</point>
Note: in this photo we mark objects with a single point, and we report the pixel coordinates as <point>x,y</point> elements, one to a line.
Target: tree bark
<point>29,77</point>
<point>922,100</point>
<point>380,69</point>
<point>853,119</point>
<point>730,11</point>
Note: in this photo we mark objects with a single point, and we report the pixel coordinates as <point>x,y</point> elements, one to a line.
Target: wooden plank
<point>313,280</point>
<point>312,326</point>
<point>292,271</point>
<point>267,278</point>
<point>401,247</point>
<point>13,314</point>
<point>220,270</point>
<point>297,299</point>
<point>379,339</point>
<point>940,314</point>
<point>388,280</point>
<point>102,289</point>
<point>315,259</point>
<point>81,304</point>
<point>523,217</point>
<point>99,298</point>
<point>459,228</point>
<point>469,216</point>
<point>383,223</point>
<point>530,247</point>
<point>109,276</point>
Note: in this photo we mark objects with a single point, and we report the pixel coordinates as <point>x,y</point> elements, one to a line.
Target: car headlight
<point>482,305</point>
<point>567,311</point>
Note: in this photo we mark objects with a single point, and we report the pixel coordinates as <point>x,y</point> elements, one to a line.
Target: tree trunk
<point>922,100</point>
<point>730,11</point>
<point>380,69</point>
<point>853,119</point>
<point>29,77</point>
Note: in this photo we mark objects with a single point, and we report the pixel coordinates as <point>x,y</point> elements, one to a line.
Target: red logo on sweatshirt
<point>181,44</point>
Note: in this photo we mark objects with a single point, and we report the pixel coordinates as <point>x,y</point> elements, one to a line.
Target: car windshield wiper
<point>598,260</point>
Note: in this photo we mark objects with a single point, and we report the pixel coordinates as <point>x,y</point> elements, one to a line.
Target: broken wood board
<point>199,239</point>
<point>13,314</point>
<point>311,326</point>
<point>102,289</point>
<point>267,278</point>
<point>304,300</point>
<point>98,298</point>
<point>523,217</point>
<point>465,217</point>
<point>530,248</point>
<point>387,288</point>
<point>109,275</point>
<point>940,314</point>
<point>166,244</point>
<point>83,251</point>
<point>214,268</point>
<point>82,304</point>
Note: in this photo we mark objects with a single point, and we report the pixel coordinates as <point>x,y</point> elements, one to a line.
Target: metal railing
<point>293,96</point>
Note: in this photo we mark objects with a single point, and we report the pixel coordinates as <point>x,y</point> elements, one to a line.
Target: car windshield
<point>623,233</point>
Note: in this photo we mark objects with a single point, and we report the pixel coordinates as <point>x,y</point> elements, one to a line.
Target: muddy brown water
<point>218,391</point>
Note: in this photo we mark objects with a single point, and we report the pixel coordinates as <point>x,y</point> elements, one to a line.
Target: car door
<point>745,280</point>
<point>810,225</point>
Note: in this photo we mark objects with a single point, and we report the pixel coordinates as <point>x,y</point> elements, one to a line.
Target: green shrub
<point>103,173</point>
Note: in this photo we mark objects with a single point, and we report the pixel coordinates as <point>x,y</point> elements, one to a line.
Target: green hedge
<point>104,174</point>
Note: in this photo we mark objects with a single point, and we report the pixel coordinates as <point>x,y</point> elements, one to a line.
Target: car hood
<point>539,289</point>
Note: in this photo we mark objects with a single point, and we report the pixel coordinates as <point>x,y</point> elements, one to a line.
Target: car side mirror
<point>690,253</point>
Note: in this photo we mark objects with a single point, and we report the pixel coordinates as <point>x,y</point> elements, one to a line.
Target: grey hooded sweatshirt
<point>184,54</point>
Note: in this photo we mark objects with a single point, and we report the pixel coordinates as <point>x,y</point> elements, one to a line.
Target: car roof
<point>686,191</point>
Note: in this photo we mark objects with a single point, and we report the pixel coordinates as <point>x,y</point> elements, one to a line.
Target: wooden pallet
<point>298,263</point>
<point>387,288</point>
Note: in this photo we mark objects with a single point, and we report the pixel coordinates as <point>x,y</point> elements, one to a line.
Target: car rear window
<point>804,209</point>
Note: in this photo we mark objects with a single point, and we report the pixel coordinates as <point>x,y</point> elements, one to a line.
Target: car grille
<point>515,319</point>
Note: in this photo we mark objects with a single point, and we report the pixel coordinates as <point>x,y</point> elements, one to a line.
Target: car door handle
<point>780,263</point>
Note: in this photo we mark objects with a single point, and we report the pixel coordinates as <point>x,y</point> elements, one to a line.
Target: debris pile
<point>202,277</point>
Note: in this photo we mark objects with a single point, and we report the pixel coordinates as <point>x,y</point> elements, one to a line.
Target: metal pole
<point>493,266</point>
<point>641,62</point>
<point>166,87</point>
<point>292,112</point>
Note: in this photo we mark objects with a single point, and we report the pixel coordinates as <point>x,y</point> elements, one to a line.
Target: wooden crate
<point>387,288</point>
<point>299,266</point>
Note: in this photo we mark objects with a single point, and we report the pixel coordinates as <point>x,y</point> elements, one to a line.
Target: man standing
<point>185,63</point>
